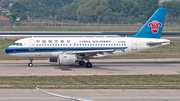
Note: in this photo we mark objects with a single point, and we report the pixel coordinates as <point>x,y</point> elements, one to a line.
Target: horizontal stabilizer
<point>151,43</point>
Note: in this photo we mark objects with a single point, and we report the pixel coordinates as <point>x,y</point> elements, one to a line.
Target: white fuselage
<point>37,47</point>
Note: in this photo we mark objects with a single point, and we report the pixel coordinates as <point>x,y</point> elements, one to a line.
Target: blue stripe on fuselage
<point>15,50</point>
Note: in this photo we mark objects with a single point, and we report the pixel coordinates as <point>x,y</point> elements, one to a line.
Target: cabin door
<point>31,45</point>
<point>74,45</point>
<point>134,44</point>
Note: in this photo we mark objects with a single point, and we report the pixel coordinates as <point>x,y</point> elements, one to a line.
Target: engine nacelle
<point>66,59</point>
<point>52,59</point>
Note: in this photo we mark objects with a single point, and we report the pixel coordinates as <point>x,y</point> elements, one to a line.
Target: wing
<point>94,53</point>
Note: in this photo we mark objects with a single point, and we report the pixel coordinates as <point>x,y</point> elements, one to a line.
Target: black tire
<point>30,65</point>
<point>82,63</point>
<point>88,65</point>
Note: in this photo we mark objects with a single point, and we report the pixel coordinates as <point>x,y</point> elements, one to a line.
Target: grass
<point>92,82</point>
<point>69,28</point>
<point>170,51</point>
<point>114,28</point>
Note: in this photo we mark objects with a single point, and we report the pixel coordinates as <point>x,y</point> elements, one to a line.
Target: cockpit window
<point>17,44</point>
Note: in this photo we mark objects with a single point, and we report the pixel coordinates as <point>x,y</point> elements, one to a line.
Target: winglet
<point>154,26</point>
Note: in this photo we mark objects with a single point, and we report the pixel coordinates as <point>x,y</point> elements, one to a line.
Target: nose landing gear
<point>30,64</point>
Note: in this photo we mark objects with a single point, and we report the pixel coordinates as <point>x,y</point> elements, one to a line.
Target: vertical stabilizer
<point>154,26</point>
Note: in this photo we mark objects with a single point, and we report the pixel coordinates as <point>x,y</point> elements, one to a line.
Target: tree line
<point>114,11</point>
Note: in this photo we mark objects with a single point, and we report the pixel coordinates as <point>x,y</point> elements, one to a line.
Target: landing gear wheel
<point>81,63</point>
<point>88,65</point>
<point>30,65</point>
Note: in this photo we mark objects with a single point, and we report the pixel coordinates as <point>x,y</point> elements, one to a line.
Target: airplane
<point>68,50</point>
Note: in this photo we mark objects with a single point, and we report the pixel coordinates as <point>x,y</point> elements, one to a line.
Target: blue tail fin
<point>154,26</point>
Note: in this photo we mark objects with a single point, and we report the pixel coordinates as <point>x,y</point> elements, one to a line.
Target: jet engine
<point>66,59</point>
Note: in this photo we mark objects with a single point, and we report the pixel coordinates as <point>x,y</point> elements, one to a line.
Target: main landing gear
<point>87,64</point>
<point>82,63</point>
<point>30,64</point>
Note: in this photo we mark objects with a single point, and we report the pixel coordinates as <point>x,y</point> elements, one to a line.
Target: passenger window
<point>17,44</point>
<point>20,44</point>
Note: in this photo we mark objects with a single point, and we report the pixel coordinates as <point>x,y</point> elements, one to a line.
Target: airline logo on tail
<point>155,26</point>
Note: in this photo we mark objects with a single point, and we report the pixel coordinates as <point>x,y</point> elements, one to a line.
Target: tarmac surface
<point>90,94</point>
<point>100,67</point>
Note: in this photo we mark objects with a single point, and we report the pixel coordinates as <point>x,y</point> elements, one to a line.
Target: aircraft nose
<point>7,50</point>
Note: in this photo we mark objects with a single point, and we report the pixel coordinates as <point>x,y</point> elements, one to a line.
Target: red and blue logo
<point>155,26</point>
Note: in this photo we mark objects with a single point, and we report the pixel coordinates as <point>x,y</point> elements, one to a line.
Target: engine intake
<point>66,59</point>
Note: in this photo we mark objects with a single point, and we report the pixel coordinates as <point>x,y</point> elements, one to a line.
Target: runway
<point>100,67</point>
<point>91,94</point>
